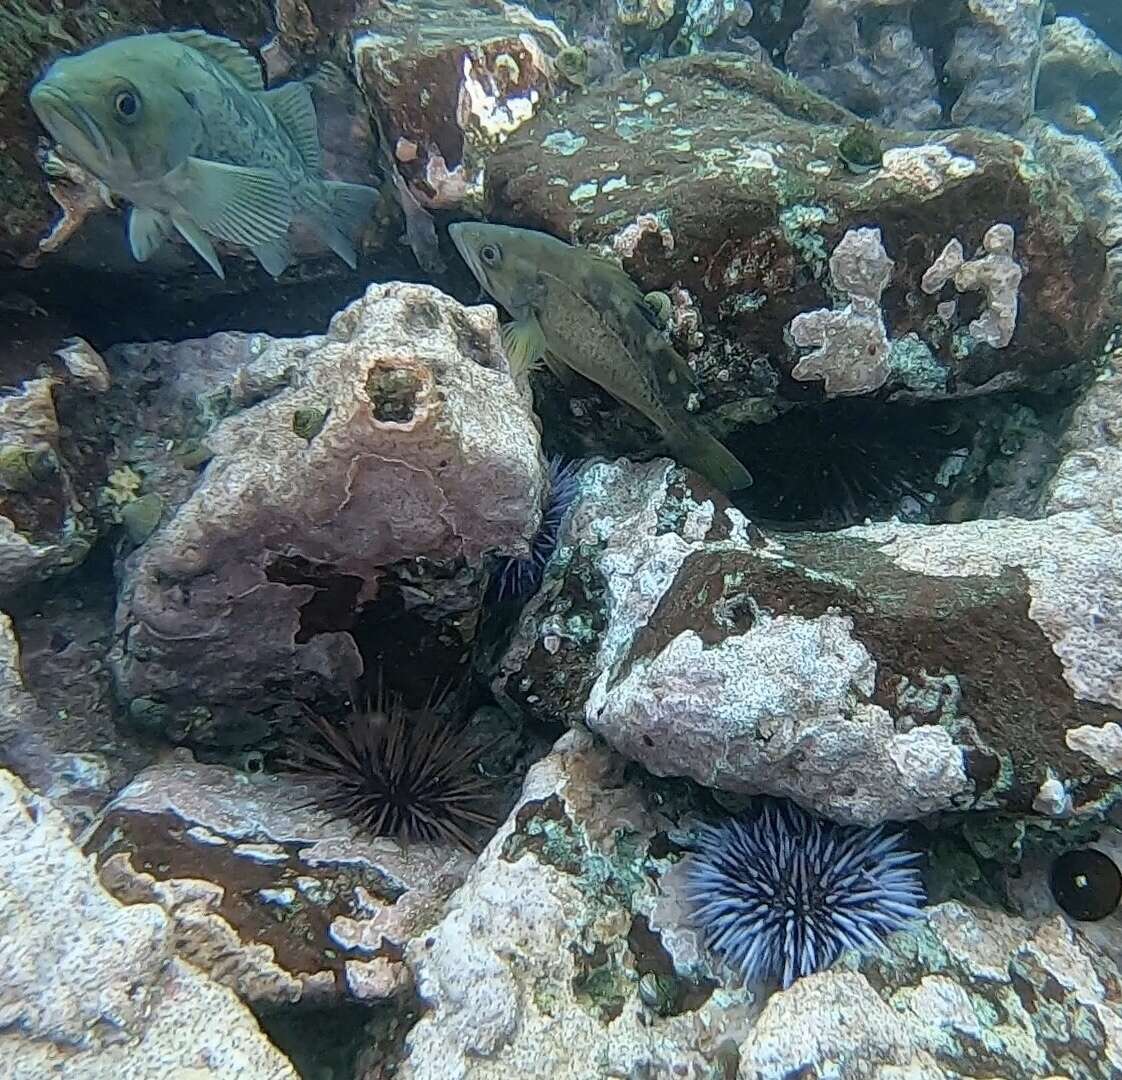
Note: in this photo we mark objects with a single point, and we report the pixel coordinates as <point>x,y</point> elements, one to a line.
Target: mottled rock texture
<point>268,896</point>
<point>740,167</point>
<point>880,672</point>
<point>353,479</point>
<point>972,993</point>
<point>92,988</point>
<point>449,81</point>
<point>536,967</point>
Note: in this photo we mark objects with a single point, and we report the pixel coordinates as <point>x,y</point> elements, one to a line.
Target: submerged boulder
<point>880,672</point>
<point>354,480</point>
<point>92,988</point>
<point>749,188</point>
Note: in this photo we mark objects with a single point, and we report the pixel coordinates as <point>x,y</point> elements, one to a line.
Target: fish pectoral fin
<point>148,229</point>
<point>274,256</point>
<point>524,344</point>
<point>292,105</point>
<point>235,203</point>
<point>230,55</point>
<point>199,241</point>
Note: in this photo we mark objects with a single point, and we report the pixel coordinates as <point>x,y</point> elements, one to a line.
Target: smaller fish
<point>182,127</point>
<point>575,310</point>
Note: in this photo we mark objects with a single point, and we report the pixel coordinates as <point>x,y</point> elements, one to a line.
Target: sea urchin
<point>397,772</point>
<point>781,894</point>
<point>519,577</point>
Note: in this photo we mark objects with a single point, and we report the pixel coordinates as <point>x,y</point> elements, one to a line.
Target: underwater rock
<point>1075,67</point>
<point>46,526</point>
<point>993,64</point>
<point>1089,477</point>
<point>741,168</point>
<point>292,562</point>
<point>923,1009</point>
<point>277,902</point>
<point>880,672</point>
<point>883,74</point>
<point>92,988</point>
<point>546,964</point>
<point>449,82</point>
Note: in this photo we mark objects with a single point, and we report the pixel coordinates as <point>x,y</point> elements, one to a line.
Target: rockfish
<point>574,307</point>
<point>181,126</point>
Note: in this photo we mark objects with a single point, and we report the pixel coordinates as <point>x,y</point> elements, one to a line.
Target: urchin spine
<point>781,894</point>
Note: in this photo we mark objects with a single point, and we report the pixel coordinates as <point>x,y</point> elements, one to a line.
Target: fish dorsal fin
<point>226,53</point>
<point>292,105</point>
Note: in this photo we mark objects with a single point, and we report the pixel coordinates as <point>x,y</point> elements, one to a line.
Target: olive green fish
<point>182,127</point>
<point>574,307</point>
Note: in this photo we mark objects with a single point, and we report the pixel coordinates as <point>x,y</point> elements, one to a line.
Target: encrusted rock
<point>885,74</point>
<point>881,672</point>
<point>742,172</point>
<point>269,897</point>
<point>449,82</point>
<point>271,561</point>
<point>993,64</point>
<point>543,963</point>
<point>925,1008</point>
<point>92,988</point>
<point>45,528</point>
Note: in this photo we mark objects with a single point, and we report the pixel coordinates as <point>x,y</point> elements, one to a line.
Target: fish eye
<point>490,254</point>
<point>127,105</point>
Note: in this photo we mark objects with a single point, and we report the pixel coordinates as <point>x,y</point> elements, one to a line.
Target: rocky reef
<point>247,526</point>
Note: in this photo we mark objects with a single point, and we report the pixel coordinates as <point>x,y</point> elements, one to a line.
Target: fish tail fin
<point>348,208</point>
<point>700,451</point>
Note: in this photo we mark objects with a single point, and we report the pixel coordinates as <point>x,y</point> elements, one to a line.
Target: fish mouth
<point>71,126</point>
<point>458,232</point>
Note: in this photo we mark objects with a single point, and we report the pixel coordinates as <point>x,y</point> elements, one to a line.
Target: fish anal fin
<point>148,229</point>
<point>230,55</point>
<point>199,241</point>
<point>274,256</point>
<point>524,345</point>
<point>242,205</point>
<point>292,105</point>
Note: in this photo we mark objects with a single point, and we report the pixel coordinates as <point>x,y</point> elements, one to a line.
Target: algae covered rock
<point>925,1008</point>
<point>567,952</point>
<point>880,672</point>
<point>92,988</point>
<point>269,897</point>
<point>278,567</point>
<point>742,170</point>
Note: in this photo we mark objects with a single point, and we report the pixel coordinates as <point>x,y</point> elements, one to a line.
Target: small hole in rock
<point>393,393</point>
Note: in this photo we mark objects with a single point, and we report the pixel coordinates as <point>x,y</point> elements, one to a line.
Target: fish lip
<point>456,231</point>
<point>57,110</point>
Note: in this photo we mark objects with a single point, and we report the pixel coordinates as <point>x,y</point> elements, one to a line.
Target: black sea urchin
<point>398,772</point>
<point>781,894</point>
<point>519,577</point>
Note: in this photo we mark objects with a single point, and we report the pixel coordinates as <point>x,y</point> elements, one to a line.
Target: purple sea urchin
<point>397,772</point>
<point>781,894</point>
<point>519,577</point>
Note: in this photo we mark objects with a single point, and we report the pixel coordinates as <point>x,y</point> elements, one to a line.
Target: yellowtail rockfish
<point>182,127</point>
<point>572,307</point>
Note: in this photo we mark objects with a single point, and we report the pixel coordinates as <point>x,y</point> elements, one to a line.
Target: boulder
<point>340,491</point>
<point>880,672</point>
<point>743,207</point>
<point>267,895</point>
<point>92,988</point>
